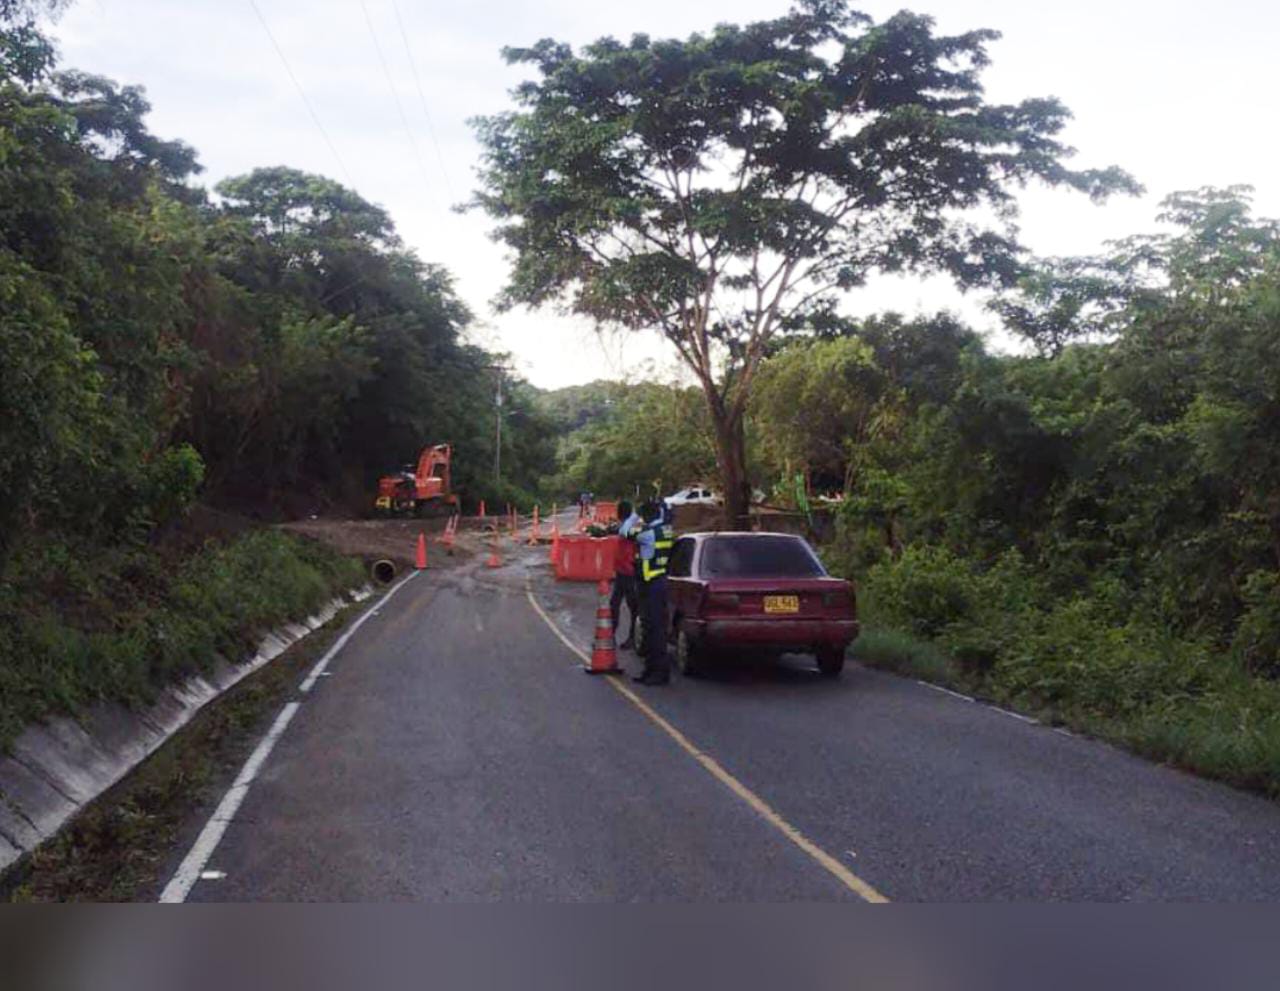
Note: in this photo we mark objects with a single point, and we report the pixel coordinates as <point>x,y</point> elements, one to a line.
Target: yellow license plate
<point>782,603</point>
<point>382,503</point>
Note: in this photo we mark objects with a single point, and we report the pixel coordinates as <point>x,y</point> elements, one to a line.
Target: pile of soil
<point>392,539</point>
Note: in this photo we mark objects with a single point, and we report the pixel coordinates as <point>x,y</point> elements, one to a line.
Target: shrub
<point>925,591</point>
<point>1257,638</point>
<point>904,654</point>
<point>1070,658</point>
<point>1088,660</point>
<point>170,483</point>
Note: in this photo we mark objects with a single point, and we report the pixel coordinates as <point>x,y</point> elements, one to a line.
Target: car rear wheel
<point>830,661</point>
<point>689,656</point>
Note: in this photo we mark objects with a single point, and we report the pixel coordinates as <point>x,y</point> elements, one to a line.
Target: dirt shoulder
<point>392,539</point>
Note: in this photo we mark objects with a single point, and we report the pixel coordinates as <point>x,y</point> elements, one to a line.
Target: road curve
<point>455,751</point>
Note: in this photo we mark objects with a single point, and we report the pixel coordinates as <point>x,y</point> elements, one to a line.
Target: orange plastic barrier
<point>586,559</point>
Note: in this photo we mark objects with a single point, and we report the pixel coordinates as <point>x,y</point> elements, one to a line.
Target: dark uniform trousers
<point>624,587</point>
<point>654,597</point>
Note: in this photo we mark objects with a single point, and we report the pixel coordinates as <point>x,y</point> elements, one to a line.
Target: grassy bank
<point>1073,661</point>
<point>122,846</point>
<point>82,624</point>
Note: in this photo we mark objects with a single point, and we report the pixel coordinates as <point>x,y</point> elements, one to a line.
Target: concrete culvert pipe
<point>384,571</point>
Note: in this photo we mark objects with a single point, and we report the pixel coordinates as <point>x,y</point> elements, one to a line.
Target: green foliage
<point>654,437</point>
<point>170,484</point>
<point>1257,638</point>
<point>119,623</point>
<point>272,346</point>
<point>813,405</point>
<point>925,591</point>
<point>280,333</point>
<point>726,187</point>
<point>1073,661</point>
<point>1092,534</point>
<point>894,650</point>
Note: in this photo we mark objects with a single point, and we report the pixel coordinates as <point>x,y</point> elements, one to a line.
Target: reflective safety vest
<point>664,538</point>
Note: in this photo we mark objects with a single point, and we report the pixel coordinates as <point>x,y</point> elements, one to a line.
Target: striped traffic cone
<point>604,652</point>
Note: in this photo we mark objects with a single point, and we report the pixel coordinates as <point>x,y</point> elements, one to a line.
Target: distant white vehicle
<point>694,495</point>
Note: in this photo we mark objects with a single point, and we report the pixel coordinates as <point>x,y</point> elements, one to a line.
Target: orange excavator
<point>425,491</point>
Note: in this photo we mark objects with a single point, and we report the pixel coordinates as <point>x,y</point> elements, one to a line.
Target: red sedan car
<point>757,590</point>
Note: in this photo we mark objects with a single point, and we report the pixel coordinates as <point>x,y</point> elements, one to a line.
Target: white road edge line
<point>1016,715</point>
<point>995,708</point>
<point>193,865</point>
<point>945,691</point>
<point>197,858</point>
<point>310,680</point>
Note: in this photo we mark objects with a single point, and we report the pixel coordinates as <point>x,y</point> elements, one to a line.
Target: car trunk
<point>772,598</point>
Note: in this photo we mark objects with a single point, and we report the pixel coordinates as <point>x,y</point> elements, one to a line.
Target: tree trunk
<point>731,457</point>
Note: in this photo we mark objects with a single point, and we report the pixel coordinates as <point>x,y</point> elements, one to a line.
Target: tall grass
<point>1074,661</point>
<point>121,623</point>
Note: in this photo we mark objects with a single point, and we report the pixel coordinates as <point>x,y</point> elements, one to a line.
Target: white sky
<point>1180,94</point>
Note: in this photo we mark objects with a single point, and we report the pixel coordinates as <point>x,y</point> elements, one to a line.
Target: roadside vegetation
<point>1089,531</point>
<point>120,847</point>
<point>726,189</point>
<point>169,355</point>
<point>76,629</point>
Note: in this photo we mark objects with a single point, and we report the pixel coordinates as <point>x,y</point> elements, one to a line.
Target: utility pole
<point>497,447</point>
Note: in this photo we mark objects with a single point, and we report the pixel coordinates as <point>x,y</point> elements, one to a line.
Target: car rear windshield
<point>759,556</point>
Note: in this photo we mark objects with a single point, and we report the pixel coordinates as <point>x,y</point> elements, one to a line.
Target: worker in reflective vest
<point>653,543</point>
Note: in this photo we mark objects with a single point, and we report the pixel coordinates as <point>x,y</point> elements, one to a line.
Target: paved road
<point>456,751</point>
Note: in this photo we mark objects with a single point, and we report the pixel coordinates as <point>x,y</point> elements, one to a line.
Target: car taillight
<point>841,597</point>
<point>723,600</point>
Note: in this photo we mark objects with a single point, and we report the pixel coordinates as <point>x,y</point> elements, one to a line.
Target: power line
<point>422,97</point>
<point>302,93</point>
<point>386,71</point>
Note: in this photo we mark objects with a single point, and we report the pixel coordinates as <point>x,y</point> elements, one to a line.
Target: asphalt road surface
<point>456,751</point>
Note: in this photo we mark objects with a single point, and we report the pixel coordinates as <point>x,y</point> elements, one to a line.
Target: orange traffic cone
<point>450,528</point>
<point>604,652</point>
<point>494,561</point>
<point>482,509</point>
<point>420,561</point>
<point>534,534</point>
<point>555,547</point>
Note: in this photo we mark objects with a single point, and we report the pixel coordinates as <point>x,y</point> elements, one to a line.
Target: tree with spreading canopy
<point>724,188</point>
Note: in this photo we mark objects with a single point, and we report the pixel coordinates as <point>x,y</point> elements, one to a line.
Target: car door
<point>683,590</point>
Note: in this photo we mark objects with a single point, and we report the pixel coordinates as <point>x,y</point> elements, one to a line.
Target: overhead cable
<point>422,97</point>
<point>302,93</point>
<point>386,71</point>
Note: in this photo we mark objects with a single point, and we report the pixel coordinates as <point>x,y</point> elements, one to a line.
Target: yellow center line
<point>762,808</point>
